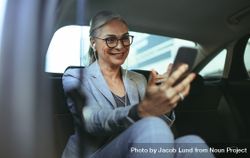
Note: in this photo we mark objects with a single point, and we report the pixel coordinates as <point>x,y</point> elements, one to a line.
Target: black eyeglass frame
<point>117,39</point>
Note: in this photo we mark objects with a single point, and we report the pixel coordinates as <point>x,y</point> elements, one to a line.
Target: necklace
<point>120,101</point>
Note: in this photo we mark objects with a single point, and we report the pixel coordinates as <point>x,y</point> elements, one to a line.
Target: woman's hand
<point>162,98</point>
<point>162,78</point>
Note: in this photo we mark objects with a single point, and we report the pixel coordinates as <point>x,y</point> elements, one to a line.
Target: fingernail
<point>194,75</point>
<point>185,66</point>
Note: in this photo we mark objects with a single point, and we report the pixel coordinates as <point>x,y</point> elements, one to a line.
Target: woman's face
<point>112,56</point>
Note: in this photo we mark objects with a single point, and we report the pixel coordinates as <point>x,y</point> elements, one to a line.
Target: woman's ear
<point>92,44</point>
<point>94,47</point>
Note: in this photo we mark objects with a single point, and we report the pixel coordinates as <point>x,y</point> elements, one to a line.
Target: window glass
<point>2,13</point>
<point>69,47</point>
<point>247,57</point>
<point>215,67</point>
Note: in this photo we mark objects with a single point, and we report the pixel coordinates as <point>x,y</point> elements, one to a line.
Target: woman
<point>133,118</point>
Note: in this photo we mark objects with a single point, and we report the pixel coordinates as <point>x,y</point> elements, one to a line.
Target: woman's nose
<point>119,44</point>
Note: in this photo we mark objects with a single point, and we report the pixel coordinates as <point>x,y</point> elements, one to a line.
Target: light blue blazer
<point>100,113</point>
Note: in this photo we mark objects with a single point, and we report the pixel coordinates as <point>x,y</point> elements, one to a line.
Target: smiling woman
<point>33,112</point>
<point>117,107</point>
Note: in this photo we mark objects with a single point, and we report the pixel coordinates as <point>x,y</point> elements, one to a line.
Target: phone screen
<point>185,55</point>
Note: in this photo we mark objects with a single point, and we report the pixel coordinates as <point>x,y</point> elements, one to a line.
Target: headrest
<point>197,85</point>
<point>74,67</point>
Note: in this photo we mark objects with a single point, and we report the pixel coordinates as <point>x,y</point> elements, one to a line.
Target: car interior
<point>217,108</point>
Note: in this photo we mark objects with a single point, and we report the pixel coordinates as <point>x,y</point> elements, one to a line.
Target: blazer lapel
<point>131,88</point>
<point>100,83</point>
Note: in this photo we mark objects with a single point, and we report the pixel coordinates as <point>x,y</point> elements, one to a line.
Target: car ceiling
<point>207,22</point>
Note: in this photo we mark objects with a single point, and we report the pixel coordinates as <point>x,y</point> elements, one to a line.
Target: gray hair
<point>98,21</point>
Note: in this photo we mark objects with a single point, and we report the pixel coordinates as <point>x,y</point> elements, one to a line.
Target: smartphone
<point>185,55</point>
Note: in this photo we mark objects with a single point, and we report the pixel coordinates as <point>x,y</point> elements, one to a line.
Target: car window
<point>247,57</point>
<point>69,47</point>
<point>210,70</point>
<point>2,14</point>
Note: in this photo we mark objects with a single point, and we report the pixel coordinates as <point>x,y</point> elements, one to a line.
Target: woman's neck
<point>113,77</point>
<point>110,71</point>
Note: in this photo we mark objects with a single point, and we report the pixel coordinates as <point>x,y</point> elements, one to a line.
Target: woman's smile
<point>119,55</point>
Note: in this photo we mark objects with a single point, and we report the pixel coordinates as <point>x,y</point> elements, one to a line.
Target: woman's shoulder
<point>139,74</point>
<point>136,75</point>
<point>75,71</point>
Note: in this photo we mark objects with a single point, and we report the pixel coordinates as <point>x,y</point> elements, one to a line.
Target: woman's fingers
<point>182,89</point>
<point>153,78</point>
<point>185,82</point>
<point>174,76</point>
<point>152,88</point>
<point>178,95</point>
<point>169,69</point>
<point>160,99</point>
<point>162,78</point>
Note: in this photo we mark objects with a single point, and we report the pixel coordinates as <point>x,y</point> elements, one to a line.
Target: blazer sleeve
<point>169,118</point>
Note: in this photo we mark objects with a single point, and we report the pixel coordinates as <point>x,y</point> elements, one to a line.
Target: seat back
<point>63,121</point>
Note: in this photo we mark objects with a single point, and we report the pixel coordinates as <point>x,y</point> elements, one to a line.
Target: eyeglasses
<point>112,41</point>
